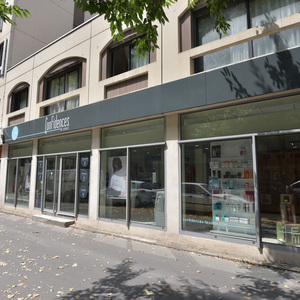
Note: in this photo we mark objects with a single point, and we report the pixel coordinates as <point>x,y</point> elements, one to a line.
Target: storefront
<point>62,180</point>
<point>239,169</point>
<point>132,177</point>
<point>18,174</point>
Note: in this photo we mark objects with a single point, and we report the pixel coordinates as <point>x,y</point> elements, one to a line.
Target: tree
<point>7,10</point>
<point>143,14</point>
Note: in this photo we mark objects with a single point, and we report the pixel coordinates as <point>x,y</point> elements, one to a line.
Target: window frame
<point>15,94</point>
<point>63,74</point>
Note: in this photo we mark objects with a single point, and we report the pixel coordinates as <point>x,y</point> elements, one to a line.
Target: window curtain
<point>265,11</point>
<point>205,24</point>
<point>72,103</point>
<point>137,61</point>
<point>72,81</point>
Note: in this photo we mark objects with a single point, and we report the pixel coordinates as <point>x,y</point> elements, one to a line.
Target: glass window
<point>11,181</point>
<point>217,188</point>
<point>39,183</point>
<point>277,42</point>
<point>279,188</point>
<point>144,132</point>
<point>18,181</point>
<point>262,116</point>
<point>20,149</point>
<point>113,186</point>
<point>147,185</point>
<point>61,106</point>
<point>266,11</point>
<point>261,12</point>
<point>205,32</point>
<point>66,143</point>
<point>221,58</point>
<point>143,195</point>
<point>126,58</point>
<point>19,99</point>
<point>63,82</point>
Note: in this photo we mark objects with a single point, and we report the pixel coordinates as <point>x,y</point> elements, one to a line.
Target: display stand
<point>287,230</point>
<point>232,187</point>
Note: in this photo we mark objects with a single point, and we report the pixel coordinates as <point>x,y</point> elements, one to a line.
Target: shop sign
<point>53,123</point>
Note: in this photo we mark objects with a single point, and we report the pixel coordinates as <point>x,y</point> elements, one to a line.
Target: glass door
<point>51,184</point>
<point>67,186</point>
<point>60,184</point>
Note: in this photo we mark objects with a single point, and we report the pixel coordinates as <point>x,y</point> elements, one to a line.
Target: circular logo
<point>15,133</point>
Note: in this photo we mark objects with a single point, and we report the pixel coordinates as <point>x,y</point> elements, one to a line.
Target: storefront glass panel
<point>20,150</point>
<point>23,180</point>
<point>11,181</point>
<point>147,185</point>
<point>217,188</point>
<point>132,178</point>
<point>145,132</point>
<point>279,188</point>
<point>256,117</point>
<point>83,184</point>
<point>66,143</point>
<point>113,186</point>
<point>18,174</point>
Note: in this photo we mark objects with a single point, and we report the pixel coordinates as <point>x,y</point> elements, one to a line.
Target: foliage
<point>144,15</point>
<point>7,10</point>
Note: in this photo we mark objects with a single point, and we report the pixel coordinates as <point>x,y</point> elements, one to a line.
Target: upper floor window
<point>244,15</point>
<point>64,82</point>
<point>2,56</point>
<point>120,57</point>
<point>65,77</point>
<point>125,58</point>
<point>18,99</point>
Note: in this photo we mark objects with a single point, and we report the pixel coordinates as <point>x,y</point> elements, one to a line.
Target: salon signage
<point>53,123</point>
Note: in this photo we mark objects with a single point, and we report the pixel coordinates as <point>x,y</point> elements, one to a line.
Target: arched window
<point>120,57</point>
<point>18,98</point>
<point>64,77</point>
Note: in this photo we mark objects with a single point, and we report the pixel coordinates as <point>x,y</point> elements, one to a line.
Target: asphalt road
<point>39,261</point>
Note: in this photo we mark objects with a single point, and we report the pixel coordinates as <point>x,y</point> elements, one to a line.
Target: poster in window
<point>117,177</point>
<point>27,177</point>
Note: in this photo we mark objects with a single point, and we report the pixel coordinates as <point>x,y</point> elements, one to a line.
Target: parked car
<point>196,198</point>
<point>142,194</point>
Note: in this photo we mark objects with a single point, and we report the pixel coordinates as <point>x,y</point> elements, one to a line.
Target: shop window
<point>244,15</point>
<point>19,97</point>
<point>118,57</point>
<point>18,175</point>
<point>279,188</point>
<point>217,188</point>
<point>61,106</point>
<point>65,77</point>
<point>132,178</point>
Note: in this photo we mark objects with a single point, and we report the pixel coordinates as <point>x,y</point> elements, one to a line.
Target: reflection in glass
<point>67,187</point>
<point>113,185</point>
<point>279,188</point>
<point>11,181</point>
<point>23,181</point>
<point>39,183</point>
<point>217,188</point>
<point>147,185</point>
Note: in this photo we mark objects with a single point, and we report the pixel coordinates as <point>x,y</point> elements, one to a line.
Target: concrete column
<point>3,174</point>
<point>172,204</point>
<point>94,176</point>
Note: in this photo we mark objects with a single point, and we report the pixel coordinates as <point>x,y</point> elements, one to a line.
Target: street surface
<point>39,261</point>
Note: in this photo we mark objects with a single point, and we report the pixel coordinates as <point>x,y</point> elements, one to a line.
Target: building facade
<point>197,142</point>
